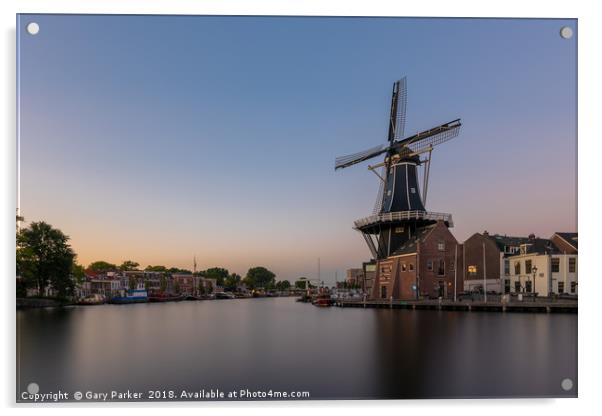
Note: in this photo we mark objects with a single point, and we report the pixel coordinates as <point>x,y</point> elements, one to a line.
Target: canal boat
<point>95,299</point>
<point>323,299</point>
<point>165,298</point>
<point>131,296</point>
<point>224,295</point>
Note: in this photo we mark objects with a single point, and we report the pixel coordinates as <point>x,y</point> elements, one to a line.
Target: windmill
<point>400,211</point>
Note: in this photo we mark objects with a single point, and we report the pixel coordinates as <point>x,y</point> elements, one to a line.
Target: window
<point>411,266</point>
<point>403,267</point>
<point>506,267</point>
<point>441,246</point>
<point>528,266</point>
<point>517,267</point>
<point>517,286</point>
<point>429,265</point>
<point>528,286</point>
<point>560,287</point>
<point>507,286</point>
<point>413,190</point>
<point>398,230</point>
<point>452,266</point>
<point>572,264</point>
<point>441,268</point>
<point>472,271</point>
<point>383,292</point>
<point>573,287</point>
<point>555,265</point>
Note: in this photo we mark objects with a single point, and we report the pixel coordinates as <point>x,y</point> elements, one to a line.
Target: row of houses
<point>114,283</point>
<point>434,264</point>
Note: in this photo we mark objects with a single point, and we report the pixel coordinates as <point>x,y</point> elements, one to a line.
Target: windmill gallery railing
<point>403,215</point>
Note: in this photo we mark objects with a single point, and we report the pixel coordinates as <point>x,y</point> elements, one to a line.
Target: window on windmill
<point>441,246</point>
<point>472,270</point>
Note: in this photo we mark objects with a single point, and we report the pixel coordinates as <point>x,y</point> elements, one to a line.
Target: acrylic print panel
<point>183,233</point>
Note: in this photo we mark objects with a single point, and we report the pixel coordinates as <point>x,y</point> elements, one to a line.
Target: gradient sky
<point>158,138</point>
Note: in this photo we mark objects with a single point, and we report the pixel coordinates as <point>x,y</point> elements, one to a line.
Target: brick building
<point>485,260</point>
<point>423,267</point>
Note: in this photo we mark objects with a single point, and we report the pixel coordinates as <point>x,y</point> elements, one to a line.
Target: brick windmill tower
<point>400,217</point>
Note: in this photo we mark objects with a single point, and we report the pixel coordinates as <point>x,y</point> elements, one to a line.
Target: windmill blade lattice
<point>345,161</point>
<point>400,116</point>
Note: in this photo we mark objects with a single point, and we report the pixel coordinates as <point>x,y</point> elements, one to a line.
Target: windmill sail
<point>430,138</point>
<point>400,116</point>
<point>345,161</point>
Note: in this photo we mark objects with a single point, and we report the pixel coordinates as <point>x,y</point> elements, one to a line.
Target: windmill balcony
<point>398,216</point>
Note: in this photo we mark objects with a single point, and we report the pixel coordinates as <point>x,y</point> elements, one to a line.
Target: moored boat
<point>322,299</point>
<point>95,299</point>
<point>131,296</point>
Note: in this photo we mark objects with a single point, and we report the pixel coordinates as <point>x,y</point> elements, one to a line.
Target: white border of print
<point>589,170</point>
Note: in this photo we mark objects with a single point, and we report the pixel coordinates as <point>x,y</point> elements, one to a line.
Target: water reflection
<point>282,345</point>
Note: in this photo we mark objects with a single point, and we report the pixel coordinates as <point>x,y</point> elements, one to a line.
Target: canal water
<point>279,345</point>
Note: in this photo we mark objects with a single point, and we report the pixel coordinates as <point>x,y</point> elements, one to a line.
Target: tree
<point>201,287</point>
<point>232,282</point>
<point>129,265</point>
<point>177,270</point>
<point>260,277</point>
<point>217,273</point>
<point>102,266</point>
<point>283,285</point>
<point>156,269</point>
<point>44,257</point>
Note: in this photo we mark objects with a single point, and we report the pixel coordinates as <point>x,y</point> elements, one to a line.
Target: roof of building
<point>412,243</point>
<point>536,245</point>
<point>570,238</point>
<point>503,241</point>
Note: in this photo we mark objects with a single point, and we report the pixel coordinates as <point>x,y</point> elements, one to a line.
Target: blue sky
<point>158,138</point>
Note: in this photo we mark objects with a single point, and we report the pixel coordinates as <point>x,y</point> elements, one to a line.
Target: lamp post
<point>534,270</point>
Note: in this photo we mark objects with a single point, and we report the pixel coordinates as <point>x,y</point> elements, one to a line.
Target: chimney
<point>485,233</point>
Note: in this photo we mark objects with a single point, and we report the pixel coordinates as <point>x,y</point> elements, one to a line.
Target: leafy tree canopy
<point>156,268</point>
<point>260,277</point>
<point>129,265</point>
<point>44,257</point>
<point>102,266</point>
<point>218,273</point>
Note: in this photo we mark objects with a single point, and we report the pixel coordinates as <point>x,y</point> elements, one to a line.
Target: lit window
<point>441,246</point>
<point>398,230</point>
<point>472,270</point>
